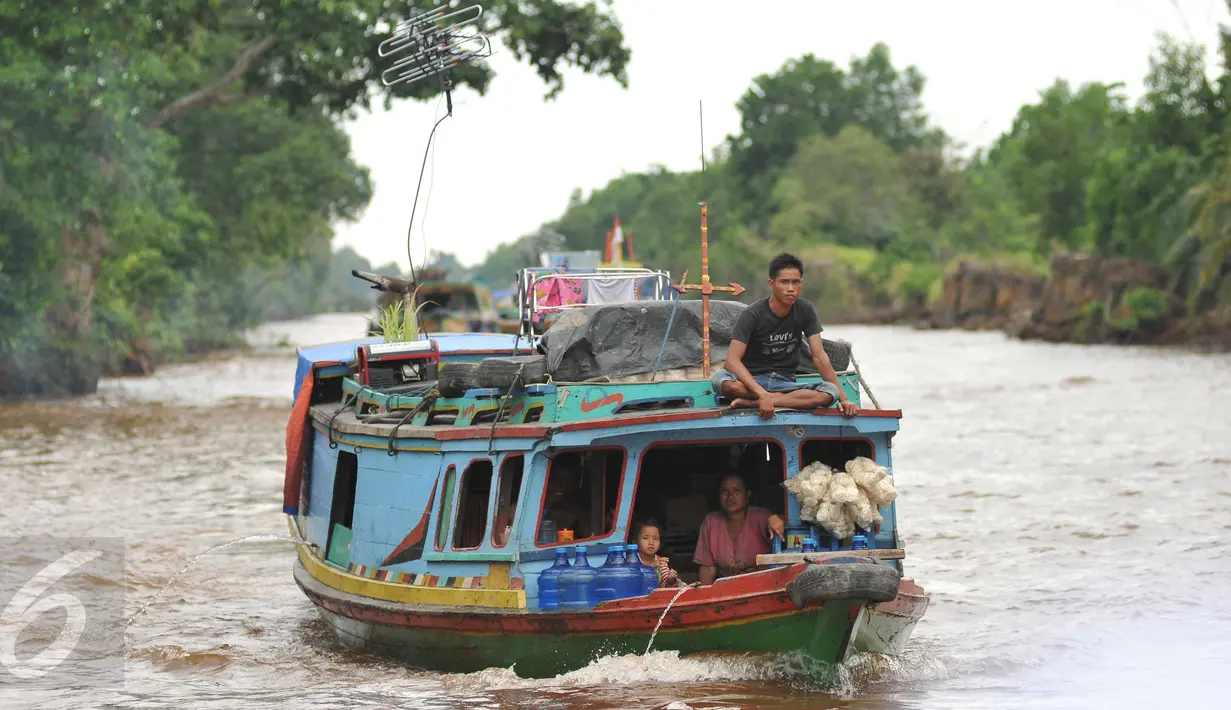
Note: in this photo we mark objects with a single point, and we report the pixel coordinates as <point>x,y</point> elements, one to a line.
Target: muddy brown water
<point>1068,507</point>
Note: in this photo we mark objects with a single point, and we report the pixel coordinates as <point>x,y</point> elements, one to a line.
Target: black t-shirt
<point>774,343</point>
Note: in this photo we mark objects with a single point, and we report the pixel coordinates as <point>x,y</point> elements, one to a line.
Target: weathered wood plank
<point>789,558</point>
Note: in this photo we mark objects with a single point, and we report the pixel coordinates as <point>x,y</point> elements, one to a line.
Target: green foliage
<point>914,282</point>
<point>397,324</point>
<point>810,96</point>
<point>1046,157</point>
<point>842,167</point>
<point>170,170</point>
<point>1146,304</point>
<point>849,189</point>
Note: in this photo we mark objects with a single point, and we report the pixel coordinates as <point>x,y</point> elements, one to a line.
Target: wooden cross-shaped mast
<point>706,288</point>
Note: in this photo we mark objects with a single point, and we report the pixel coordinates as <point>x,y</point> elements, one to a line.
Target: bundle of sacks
<point>840,501</point>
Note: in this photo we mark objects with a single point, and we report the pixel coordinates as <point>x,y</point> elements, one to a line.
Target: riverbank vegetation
<point>170,169</point>
<point>842,165</point>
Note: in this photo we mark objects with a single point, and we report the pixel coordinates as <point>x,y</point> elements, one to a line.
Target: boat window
<point>476,490</point>
<point>583,492</point>
<point>678,486</point>
<point>834,453</point>
<point>445,513</point>
<point>342,509</point>
<point>507,496</point>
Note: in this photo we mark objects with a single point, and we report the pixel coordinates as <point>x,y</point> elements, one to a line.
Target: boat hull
<point>885,628</point>
<point>539,644</point>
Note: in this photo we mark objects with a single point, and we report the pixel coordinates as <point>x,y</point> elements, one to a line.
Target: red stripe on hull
<point>732,601</point>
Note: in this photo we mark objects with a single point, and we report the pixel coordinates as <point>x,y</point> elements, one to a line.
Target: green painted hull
<point>820,632</point>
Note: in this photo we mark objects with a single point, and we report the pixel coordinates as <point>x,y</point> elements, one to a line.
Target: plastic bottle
<point>605,589</point>
<point>626,577</point>
<point>577,583</point>
<point>777,545</point>
<point>547,531</point>
<point>859,542</point>
<point>809,545</point>
<point>649,575</point>
<point>549,581</point>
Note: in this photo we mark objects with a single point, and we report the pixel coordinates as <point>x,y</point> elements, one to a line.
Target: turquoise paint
<point>392,491</point>
<point>339,547</point>
<point>322,466</point>
<point>564,402</point>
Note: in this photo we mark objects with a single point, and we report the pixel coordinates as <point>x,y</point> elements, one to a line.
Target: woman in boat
<point>730,539</point>
<point>648,535</point>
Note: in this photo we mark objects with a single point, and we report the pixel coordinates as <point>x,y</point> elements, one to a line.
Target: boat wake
<point>793,670</point>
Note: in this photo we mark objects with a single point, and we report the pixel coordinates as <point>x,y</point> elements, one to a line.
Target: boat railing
<point>532,310</point>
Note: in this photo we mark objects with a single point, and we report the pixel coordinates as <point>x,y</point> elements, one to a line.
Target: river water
<point>1068,507</point>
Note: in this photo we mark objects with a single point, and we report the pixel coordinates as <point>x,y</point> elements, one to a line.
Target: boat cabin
<point>476,492</point>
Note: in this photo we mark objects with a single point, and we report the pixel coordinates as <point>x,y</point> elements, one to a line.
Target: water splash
<point>193,560</point>
<point>664,615</point>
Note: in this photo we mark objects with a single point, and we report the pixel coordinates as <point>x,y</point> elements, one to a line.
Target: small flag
<point>617,243</point>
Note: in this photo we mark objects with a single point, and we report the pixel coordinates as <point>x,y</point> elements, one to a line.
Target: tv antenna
<point>430,44</point>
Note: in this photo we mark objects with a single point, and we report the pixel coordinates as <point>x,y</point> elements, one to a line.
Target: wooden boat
<point>421,511</point>
<point>432,482</point>
<point>443,306</point>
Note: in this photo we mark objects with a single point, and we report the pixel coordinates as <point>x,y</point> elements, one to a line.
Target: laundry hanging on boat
<point>608,291</point>
<point>559,292</point>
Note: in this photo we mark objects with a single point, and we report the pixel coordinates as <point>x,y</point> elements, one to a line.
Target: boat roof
<point>343,353</point>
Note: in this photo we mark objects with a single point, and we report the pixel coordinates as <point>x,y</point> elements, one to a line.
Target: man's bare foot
<point>740,403</point>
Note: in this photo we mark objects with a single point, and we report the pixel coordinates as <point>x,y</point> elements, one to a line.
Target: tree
<point>1181,109</point>
<point>810,96</point>
<point>1138,183</point>
<point>1047,156</point>
<point>849,189</point>
<point>94,94</point>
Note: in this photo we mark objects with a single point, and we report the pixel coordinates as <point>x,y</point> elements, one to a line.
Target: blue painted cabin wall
<point>391,492</point>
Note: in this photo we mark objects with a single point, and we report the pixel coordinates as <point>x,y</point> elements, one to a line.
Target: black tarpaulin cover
<point>625,339</point>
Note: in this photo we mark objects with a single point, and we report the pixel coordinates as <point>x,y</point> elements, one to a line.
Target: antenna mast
<point>429,44</point>
<point>705,287</point>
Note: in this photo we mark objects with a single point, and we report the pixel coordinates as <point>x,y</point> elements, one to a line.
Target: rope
<point>426,403</point>
<point>345,403</point>
<point>863,381</point>
<point>517,382</point>
<point>675,306</point>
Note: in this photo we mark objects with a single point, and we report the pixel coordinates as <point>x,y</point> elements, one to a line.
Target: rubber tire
<point>822,581</point>
<point>839,352</point>
<point>503,372</point>
<point>455,378</point>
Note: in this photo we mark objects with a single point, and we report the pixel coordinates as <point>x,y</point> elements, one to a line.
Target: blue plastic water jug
<point>809,545</point>
<point>626,577</point>
<point>549,581</point>
<point>859,542</point>
<point>606,585</point>
<point>578,583</point>
<point>649,575</point>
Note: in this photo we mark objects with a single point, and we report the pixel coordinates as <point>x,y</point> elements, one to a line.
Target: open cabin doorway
<point>678,486</point>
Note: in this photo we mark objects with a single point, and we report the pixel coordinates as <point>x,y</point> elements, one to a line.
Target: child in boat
<point>648,535</point>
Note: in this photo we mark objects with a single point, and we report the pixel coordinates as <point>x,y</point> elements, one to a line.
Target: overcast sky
<point>506,162</point>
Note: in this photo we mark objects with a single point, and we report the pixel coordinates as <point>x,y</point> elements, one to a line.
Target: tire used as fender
<point>871,581</point>
<point>454,378</point>
<point>504,372</point>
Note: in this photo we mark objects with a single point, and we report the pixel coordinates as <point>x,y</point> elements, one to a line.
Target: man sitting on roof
<point>764,352</point>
